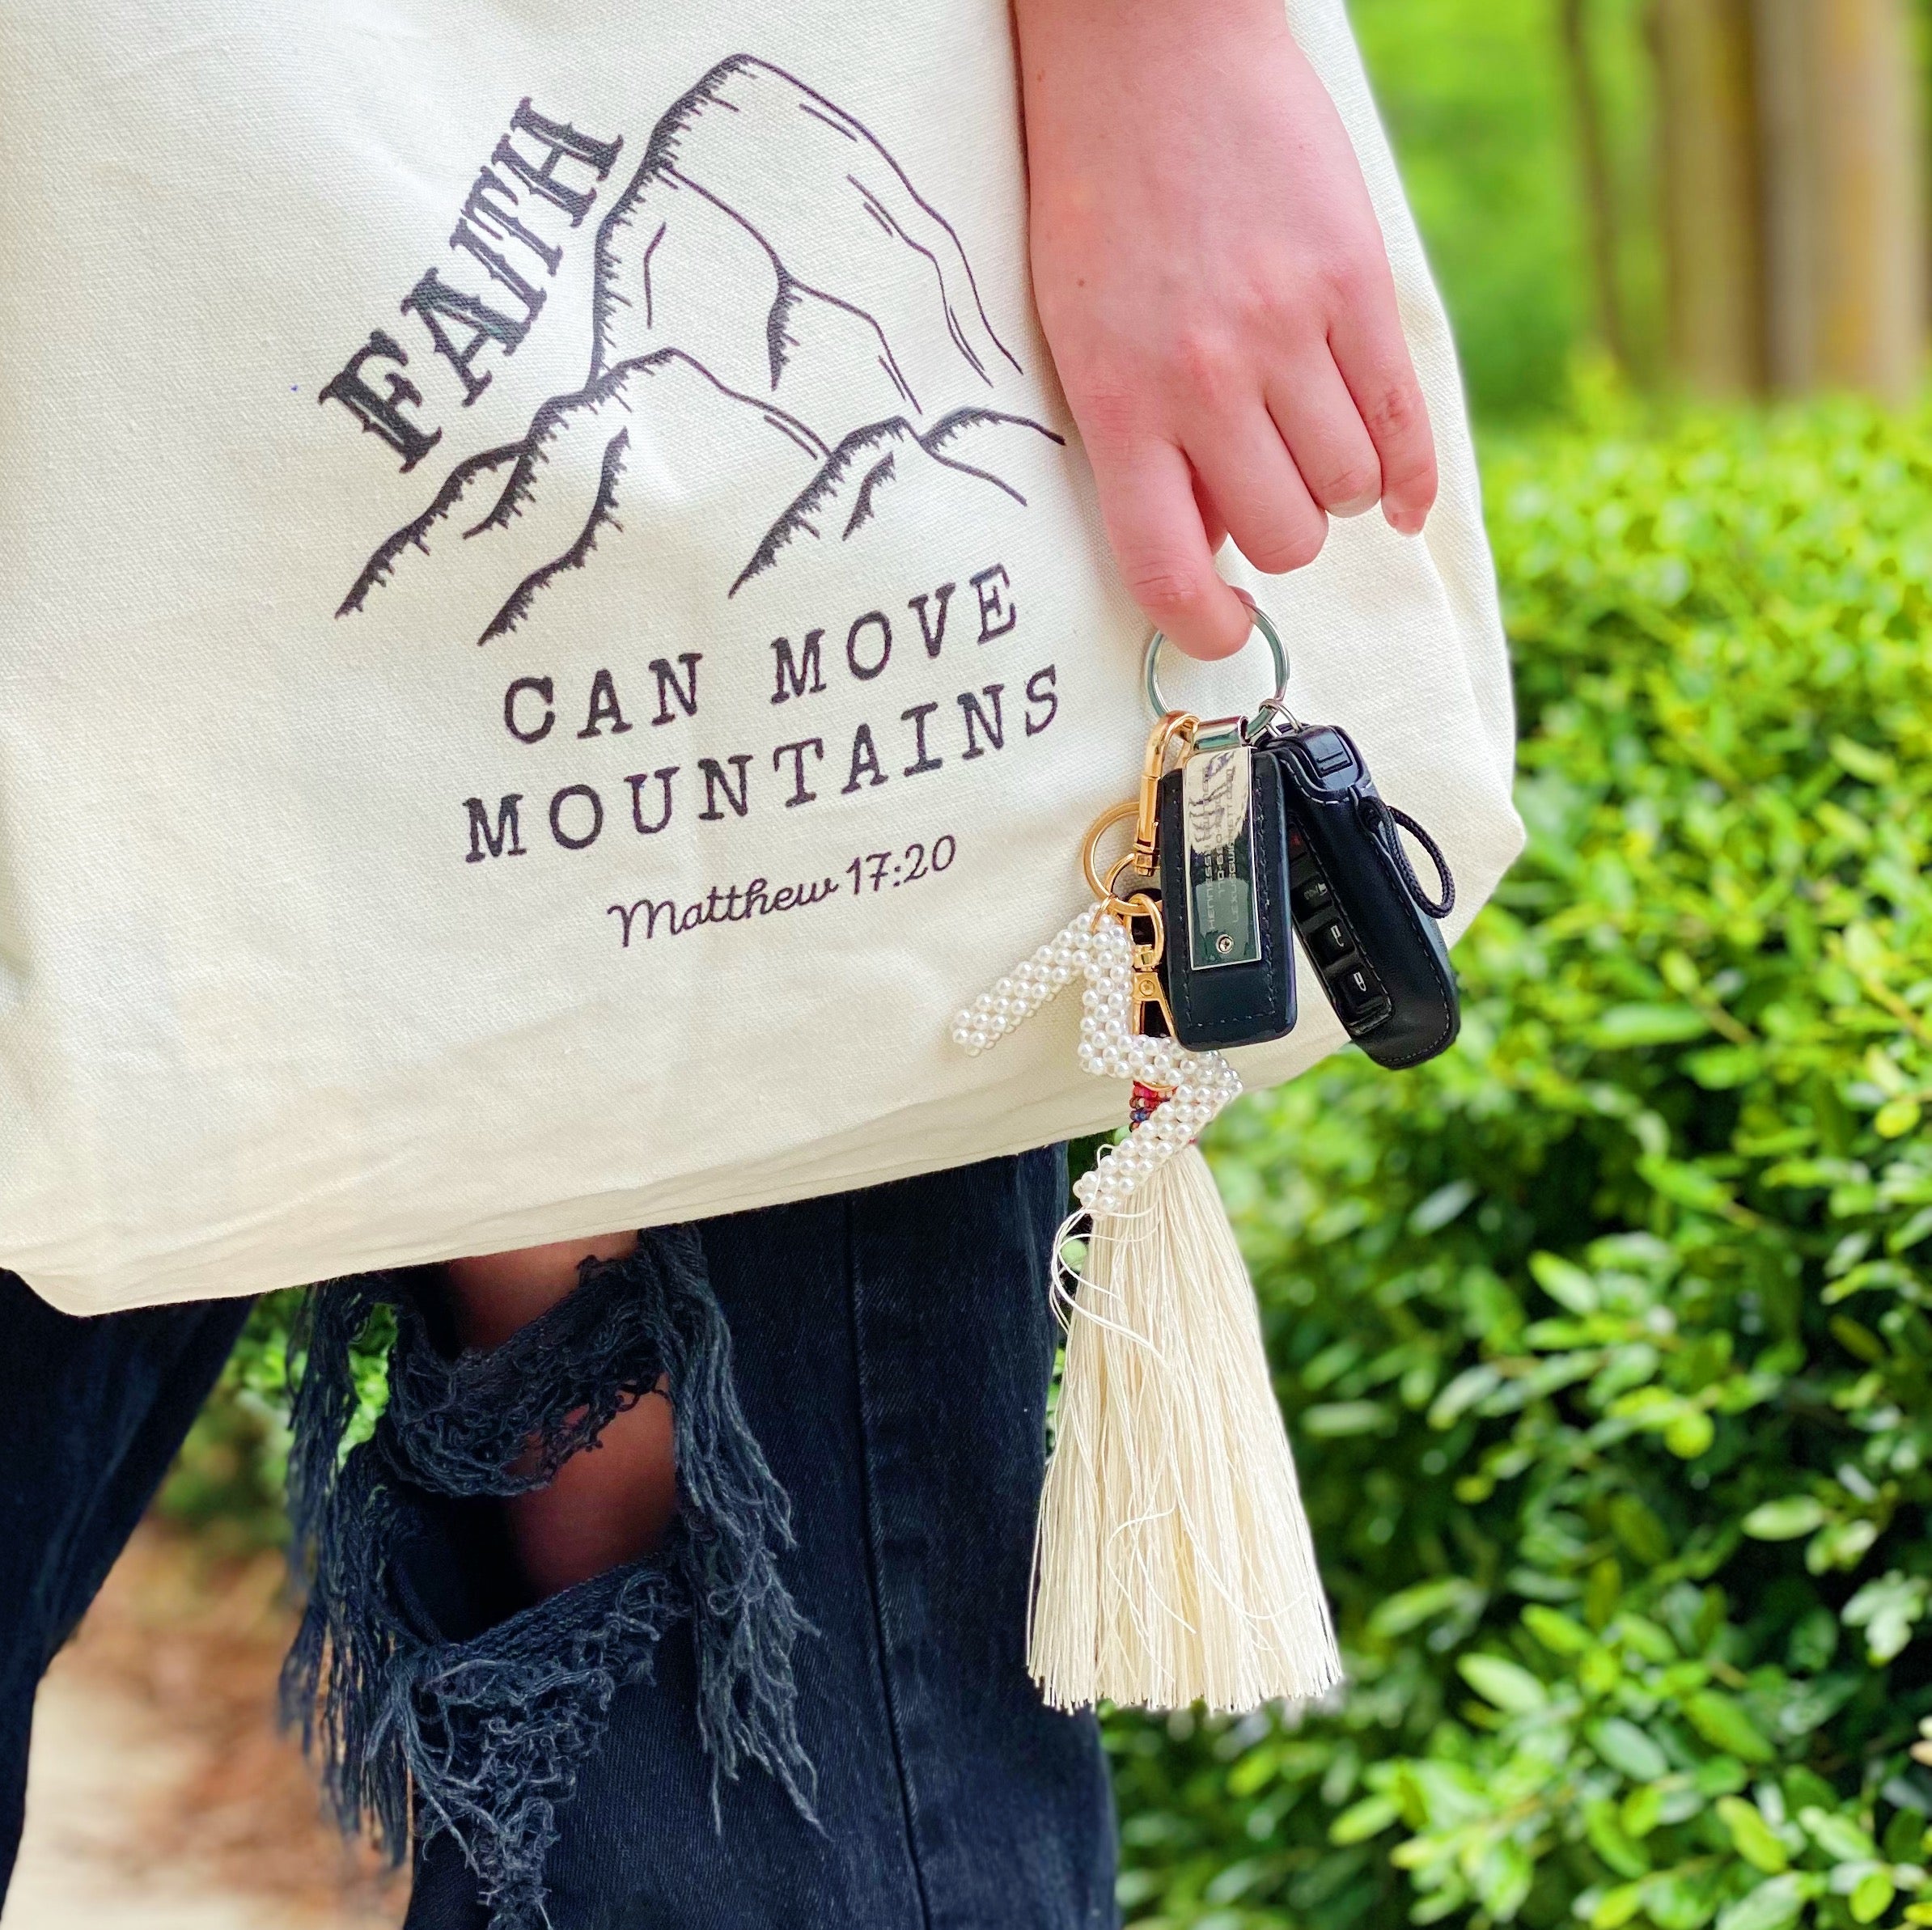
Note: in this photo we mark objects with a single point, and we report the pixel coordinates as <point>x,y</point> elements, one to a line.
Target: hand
<point>1212,281</point>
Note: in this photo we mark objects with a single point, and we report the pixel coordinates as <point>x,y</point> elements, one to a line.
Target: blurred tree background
<point>1722,197</point>
<point>1606,1342</point>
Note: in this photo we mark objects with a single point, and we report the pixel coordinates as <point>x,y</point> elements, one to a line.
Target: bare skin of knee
<point>609,1505</point>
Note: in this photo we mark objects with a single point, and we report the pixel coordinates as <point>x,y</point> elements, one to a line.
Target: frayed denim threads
<point>484,1738</point>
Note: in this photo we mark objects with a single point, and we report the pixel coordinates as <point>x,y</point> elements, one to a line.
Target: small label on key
<point>1224,921</point>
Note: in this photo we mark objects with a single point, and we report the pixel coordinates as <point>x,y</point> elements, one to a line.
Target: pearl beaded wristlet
<point>1176,1092</point>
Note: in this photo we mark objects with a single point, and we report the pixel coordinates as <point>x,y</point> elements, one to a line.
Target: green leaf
<point>1624,1026</point>
<point>1756,1841</point>
<point>1651,1642</point>
<point>1838,1835</point>
<point>1446,1203</point>
<point>1509,1686</point>
<point>1784,1519</point>
<point>1687,1184</point>
<point>1841,1545</point>
<point>1473,1384</point>
<point>1617,1907</point>
<point>1720,1775</point>
<point>1626,1748</point>
<point>1723,1723</point>
<point>1889,1610</point>
<point>1690,1434</point>
<point>1556,1631</point>
<point>1896,1118</point>
<point>1502,1878</point>
<point>1565,1282</point>
<point>1639,1529</point>
<point>1775,1904</point>
<point>1360,1821</point>
<point>1254,1772</point>
<point>1873,766</point>
<point>1603,1591</point>
<point>1724,1068</point>
<point>1416,1606</point>
<point>1642,1811</point>
<point>1680,1900</point>
<point>1336,1420</point>
<point>1871,1896</point>
<point>1605,1830</point>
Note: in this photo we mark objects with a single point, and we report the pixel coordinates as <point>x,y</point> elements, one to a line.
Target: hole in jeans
<point>610,1501</point>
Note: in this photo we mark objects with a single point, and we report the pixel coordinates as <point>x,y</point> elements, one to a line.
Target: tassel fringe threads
<point>1173,1562</point>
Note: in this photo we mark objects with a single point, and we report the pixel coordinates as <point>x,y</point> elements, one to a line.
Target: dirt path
<point>160,1796</point>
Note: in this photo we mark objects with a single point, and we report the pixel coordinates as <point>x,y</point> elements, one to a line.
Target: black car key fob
<point>1229,962</point>
<point>1367,925</point>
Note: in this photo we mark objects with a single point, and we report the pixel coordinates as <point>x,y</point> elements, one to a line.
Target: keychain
<point>1223,857</point>
<point>1342,876</point>
<point>1173,1562</point>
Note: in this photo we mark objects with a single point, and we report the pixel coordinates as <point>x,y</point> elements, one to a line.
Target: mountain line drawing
<point>786,336</point>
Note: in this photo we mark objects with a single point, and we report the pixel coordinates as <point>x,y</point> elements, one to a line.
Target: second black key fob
<point>1367,925</point>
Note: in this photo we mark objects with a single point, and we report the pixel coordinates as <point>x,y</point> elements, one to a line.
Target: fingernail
<point>1407,522</point>
<point>1243,595</point>
<point>1360,506</point>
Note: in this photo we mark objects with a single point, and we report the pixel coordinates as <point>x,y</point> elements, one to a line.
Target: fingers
<point>1318,420</point>
<point>1155,525</point>
<point>1211,521</point>
<point>1253,483</point>
<point>1372,357</point>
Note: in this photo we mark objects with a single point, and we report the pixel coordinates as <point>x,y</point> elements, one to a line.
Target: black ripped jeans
<point>808,1708</point>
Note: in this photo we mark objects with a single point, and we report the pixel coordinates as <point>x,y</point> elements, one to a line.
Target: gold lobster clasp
<point>1145,990</point>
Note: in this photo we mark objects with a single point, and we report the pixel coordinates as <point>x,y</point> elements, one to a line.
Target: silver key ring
<point>1231,730</point>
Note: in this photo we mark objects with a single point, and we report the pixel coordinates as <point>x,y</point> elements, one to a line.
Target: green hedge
<point>1604,1340</point>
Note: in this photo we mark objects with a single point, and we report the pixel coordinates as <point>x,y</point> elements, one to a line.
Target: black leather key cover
<point>1235,1004</point>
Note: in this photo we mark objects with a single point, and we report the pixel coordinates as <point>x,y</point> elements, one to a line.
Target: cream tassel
<point>1173,1562</point>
